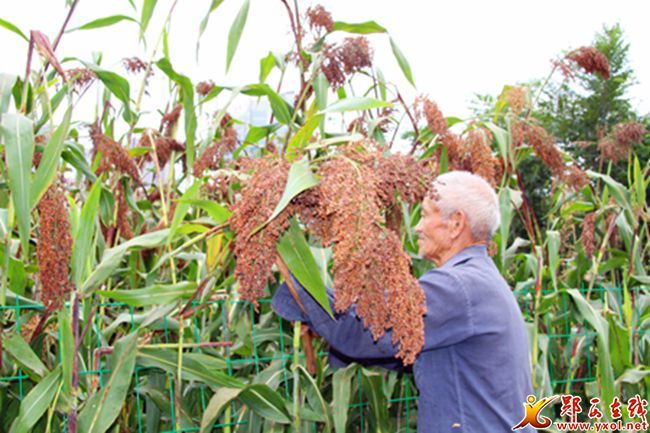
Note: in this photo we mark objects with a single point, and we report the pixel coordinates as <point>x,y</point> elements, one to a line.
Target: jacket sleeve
<point>447,320</point>
<point>345,333</point>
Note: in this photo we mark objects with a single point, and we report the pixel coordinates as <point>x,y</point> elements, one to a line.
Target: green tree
<point>578,111</point>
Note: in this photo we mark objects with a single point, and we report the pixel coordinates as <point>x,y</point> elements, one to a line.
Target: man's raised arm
<point>448,319</point>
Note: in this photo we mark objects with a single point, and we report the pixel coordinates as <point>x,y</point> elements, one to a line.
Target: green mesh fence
<point>253,344</point>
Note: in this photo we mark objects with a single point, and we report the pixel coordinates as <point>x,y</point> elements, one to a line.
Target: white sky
<point>455,48</point>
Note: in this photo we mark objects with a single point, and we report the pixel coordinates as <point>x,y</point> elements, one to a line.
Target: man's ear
<point>457,223</point>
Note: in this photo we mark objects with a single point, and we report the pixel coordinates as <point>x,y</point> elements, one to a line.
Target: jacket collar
<point>465,254</point>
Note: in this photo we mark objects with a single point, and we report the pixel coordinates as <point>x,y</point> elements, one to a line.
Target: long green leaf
<point>255,134</point>
<point>265,402</point>
<point>24,356</point>
<point>300,179</point>
<point>235,32</point>
<point>13,28</point>
<point>604,364</point>
<point>266,65</point>
<point>68,350</point>
<point>204,22</point>
<point>187,99</point>
<point>4,224</point>
<point>362,28</point>
<point>502,139</point>
<point>82,247</point>
<point>217,403</point>
<point>553,254</point>
<point>152,295</point>
<point>620,193</point>
<point>7,82</point>
<point>372,385</point>
<point>36,402</point>
<point>403,63</point>
<point>302,137</point>
<point>47,169</point>
<point>355,104</point>
<point>113,256</point>
<point>148,7</point>
<point>102,409</point>
<point>103,22</point>
<point>219,213</point>
<point>117,85</point>
<point>192,369</point>
<point>633,375</point>
<point>643,279</point>
<point>281,108</point>
<point>183,207</point>
<point>639,183</point>
<point>341,384</point>
<point>295,252</point>
<point>18,136</point>
<point>324,407</point>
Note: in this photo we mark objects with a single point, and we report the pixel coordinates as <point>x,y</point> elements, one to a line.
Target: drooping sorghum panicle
<point>543,143</point>
<point>628,133</point>
<point>609,150</point>
<point>456,148</point>
<point>404,296</point>
<point>114,156</point>
<point>319,18</point>
<point>154,195</point>
<point>425,108</point>
<point>610,219</point>
<point>384,119</point>
<point>349,193</point>
<point>170,119</point>
<point>331,67</point>
<point>80,77</point>
<point>123,224</point>
<point>218,185</point>
<point>54,248</point>
<point>482,161</point>
<point>518,130</point>
<point>517,99</point>
<point>591,60</point>
<point>398,173</point>
<point>306,90</point>
<point>164,146</point>
<point>576,178</point>
<point>564,67</point>
<point>355,54</point>
<point>357,125</point>
<point>588,236</point>
<point>370,267</point>
<point>135,65</point>
<point>311,211</point>
<point>211,157</point>
<point>36,158</point>
<point>618,143</point>
<point>204,87</point>
<point>256,253</point>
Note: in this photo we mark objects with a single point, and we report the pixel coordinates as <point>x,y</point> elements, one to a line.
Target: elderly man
<point>473,373</point>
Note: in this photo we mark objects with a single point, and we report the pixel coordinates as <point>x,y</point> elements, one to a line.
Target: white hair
<point>471,194</point>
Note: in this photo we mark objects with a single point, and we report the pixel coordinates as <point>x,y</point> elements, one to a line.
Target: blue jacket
<point>473,373</point>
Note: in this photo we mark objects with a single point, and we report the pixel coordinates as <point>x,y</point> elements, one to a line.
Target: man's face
<point>433,232</point>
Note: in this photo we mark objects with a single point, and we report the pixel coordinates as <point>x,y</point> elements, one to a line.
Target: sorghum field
<point>140,245</point>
